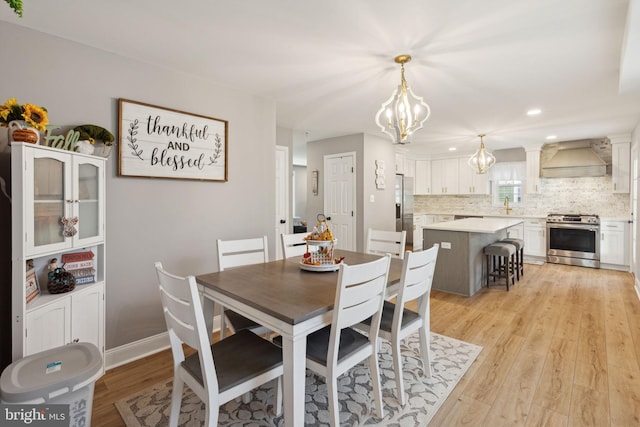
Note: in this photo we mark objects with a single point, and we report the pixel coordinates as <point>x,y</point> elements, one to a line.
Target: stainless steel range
<point>573,239</point>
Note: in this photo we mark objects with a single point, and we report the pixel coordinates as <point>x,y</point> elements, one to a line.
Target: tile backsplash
<point>564,195</point>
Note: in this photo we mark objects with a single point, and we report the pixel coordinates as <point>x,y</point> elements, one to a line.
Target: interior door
<point>282,196</point>
<point>635,242</point>
<point>339,197</point>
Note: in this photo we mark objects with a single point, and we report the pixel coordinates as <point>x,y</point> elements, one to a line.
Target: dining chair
<point>216,373</point>
<point>295,245</point>
<point>335,349</point>
<point>380,242</point>
<point>236,253</point>
<point>399,322</point>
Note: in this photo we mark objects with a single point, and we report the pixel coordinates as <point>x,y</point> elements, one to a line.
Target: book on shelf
<point>84,280</point>
<point>32,289</point>
<point>78,265</point>
<point>77,257</point>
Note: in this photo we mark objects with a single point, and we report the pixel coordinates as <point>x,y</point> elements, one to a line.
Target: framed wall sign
<point>159,142</point>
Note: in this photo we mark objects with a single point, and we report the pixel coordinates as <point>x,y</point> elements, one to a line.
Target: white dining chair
<point>295,245</point>
<point>216,373</point>
<point>381,242</point>
<point>333,350</point>
<point>236,253</point>
<point>399,322</point>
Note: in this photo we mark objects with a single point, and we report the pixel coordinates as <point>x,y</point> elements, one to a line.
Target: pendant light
<point>404,112</point>
<point>481,160</point>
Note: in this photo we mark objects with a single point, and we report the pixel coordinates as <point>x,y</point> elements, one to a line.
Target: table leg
<point>294,361</point>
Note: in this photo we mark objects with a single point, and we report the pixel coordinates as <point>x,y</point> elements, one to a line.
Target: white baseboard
<point>136,350</point>
<point>133,351</point>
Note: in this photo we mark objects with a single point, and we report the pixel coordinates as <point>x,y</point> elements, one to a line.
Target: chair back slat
<point>381,242</point>
<point>236,253</point>
<point>295,245</point>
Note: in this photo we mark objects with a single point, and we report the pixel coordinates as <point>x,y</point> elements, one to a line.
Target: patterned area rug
<point>450,359</point>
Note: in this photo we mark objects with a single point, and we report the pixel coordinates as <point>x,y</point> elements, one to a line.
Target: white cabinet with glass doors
<point>58,208</point>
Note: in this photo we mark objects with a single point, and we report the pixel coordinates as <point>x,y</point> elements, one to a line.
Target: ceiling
<point>480,65</point>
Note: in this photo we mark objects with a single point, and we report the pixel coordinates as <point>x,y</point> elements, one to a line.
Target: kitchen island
<point>459,268</point>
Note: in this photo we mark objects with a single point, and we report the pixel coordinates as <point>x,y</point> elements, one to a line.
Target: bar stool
<point>503,254</point>
<point>519,244</point>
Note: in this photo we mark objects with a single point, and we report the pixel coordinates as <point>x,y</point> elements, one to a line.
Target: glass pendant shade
<point>404,112</point>
<point>481,160</point>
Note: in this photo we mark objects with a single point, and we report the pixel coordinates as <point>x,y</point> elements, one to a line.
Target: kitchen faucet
<point>506,205</point>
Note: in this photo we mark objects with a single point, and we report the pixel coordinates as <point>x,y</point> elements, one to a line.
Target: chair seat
<point>500,249</point>
<point>239,322</point>
<point>386,322</point>
<point>318,344</point>
<point>235,359</point>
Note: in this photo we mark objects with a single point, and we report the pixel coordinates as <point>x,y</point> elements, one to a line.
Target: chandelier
<point>404,112</point>
<point>481,160</point>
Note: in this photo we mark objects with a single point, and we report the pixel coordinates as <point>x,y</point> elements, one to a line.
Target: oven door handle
<point>588,227</point>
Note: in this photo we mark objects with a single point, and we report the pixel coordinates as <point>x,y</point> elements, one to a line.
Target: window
<point>507,180</point>
<point>508,188</point>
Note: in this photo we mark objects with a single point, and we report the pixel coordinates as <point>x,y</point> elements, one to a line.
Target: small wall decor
<point>380,174</point>
<point>314,182</point>
<point>159,142</point>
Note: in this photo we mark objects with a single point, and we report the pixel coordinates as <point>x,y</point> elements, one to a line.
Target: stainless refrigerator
<point>404,206</point>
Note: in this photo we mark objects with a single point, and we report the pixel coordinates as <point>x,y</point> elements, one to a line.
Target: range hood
<point>573,159</point>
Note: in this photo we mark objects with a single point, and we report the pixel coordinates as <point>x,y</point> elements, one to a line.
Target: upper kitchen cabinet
<point>620,164</point>
<point>533,171</point>
<point>64,192</point>
<point>470,182</point>
<point>423,177</point>
<point>405,165</point>
<point>444,176</point>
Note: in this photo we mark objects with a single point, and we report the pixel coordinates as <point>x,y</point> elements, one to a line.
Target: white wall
<point>173,221</point>
<point>379,214</point>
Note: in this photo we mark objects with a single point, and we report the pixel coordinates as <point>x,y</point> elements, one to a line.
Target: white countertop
<point>476,225</point>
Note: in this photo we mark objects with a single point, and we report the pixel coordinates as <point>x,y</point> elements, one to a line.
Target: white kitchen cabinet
<point>61,185</point>
<point>533,171</point>
<point>444,176</point>
<point>419,221</point>
<point>620,167</point>
<point>516,232</point>
<point>613,243</point>
<point>405,165</point>
<point>423,177</point>
<point>48,326</point>
<point>470,182</point>
<point>535,237</point>
<point>76,316</point>
<point>47,185</point>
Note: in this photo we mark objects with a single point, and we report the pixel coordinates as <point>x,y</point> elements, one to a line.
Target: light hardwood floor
<point>561,348</point>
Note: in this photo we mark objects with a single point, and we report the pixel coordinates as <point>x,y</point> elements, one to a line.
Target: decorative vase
<point>20,131</point>
<point>60,281</point>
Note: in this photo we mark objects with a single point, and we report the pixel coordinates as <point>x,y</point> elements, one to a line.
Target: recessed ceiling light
<point>551,137</point>
<point>452,148</point>
<point>534,112</point>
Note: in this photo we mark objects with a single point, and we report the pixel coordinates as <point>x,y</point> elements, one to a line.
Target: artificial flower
<point>35,116</point>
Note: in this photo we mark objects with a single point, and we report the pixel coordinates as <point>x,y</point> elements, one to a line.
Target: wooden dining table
<point>291,302</point>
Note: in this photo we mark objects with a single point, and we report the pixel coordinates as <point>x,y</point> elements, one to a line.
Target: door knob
<point>328,218</point>
<point>283,221</point>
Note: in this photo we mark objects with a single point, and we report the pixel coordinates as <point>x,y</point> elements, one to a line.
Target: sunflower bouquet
<point>34,115</point>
